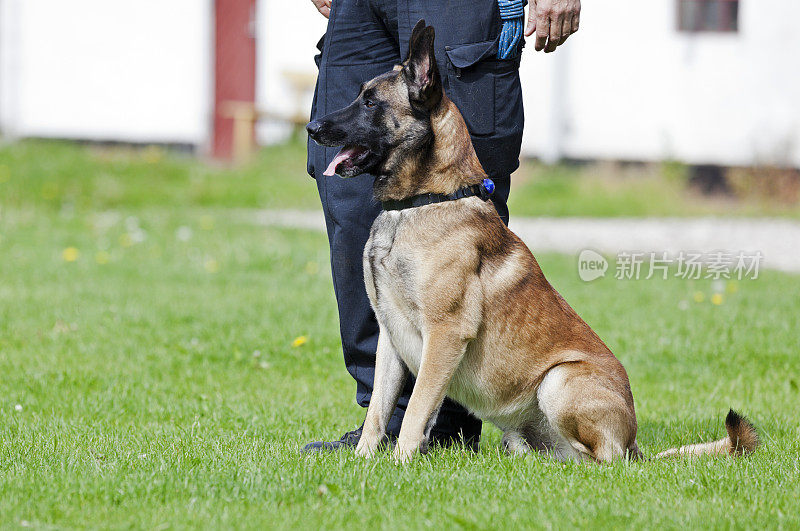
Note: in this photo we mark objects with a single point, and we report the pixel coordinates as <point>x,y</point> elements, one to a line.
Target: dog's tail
<point>742,439</point>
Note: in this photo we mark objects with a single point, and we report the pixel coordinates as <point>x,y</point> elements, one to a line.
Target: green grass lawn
<point>55,174</point>
<point>148,377</point>
<point>609,190</point>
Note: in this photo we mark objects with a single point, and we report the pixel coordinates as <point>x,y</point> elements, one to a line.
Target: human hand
<point>323,6</point>
<point>552,20</point>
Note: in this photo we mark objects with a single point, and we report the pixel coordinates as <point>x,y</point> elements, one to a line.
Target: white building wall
<point>287,36</point>
<point>627,86</point>
<point>125,70</point>
<point>638,89</point>
<point>9,65</point>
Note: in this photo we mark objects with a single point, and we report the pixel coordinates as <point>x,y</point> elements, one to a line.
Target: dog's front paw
<point>403,453</point>
<point>366,450</point>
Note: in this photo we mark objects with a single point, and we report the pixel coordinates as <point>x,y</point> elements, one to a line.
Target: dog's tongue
<point>345,153</point>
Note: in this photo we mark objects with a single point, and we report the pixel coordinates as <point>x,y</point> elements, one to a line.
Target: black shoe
<point>451,440</point>
<point>348,440</point>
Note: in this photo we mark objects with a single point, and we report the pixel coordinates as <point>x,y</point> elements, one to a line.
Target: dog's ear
<point>420,69</point>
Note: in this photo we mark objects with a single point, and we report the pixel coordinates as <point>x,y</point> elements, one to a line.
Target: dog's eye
<point>369,104</point>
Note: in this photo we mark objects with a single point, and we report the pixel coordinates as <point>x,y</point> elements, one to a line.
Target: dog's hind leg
<point>588,411</point>
<point>390,377</point>
<point>514,443</point>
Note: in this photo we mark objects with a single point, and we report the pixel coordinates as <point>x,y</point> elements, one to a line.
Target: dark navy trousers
<point>365,38</point>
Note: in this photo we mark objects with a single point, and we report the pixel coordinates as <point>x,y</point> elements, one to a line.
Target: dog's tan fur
<point>463,305</point>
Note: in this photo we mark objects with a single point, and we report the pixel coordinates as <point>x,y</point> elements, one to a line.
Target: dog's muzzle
<point>313,127</point>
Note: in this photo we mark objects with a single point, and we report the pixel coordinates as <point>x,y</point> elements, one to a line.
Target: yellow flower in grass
<point>125,240</point>
<point>70,254</point>
<point>699,296</point>
<point>206,222</point>
<point>153,154</point>
<point>102,257</point>
<point>732,287</point>
<point>49,191</point>
<point>716,299</point>
<point>211,265</point>
<point>299,341</point>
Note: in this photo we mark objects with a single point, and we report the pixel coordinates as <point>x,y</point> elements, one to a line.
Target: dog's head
<point>389,119</point>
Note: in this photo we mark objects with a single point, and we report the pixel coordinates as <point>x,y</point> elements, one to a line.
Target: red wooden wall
<point>234,66</point>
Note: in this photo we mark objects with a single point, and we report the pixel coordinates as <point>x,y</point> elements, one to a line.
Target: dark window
<point>708,15</point>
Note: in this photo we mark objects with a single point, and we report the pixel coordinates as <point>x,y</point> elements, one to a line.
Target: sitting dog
<point>461,302</point>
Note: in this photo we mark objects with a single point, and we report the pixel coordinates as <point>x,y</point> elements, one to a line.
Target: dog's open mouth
<point>349,158</point>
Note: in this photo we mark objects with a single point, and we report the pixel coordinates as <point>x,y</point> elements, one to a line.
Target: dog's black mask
<point>390,116</point>
<point>357,127</point>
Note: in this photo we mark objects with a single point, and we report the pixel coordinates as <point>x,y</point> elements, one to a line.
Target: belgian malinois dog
<point>461,302</point>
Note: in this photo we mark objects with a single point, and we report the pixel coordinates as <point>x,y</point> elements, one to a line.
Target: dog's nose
<point>313,128</point>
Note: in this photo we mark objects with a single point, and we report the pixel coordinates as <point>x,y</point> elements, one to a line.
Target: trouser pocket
<point>477,82</point>
<point>488,93</point>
